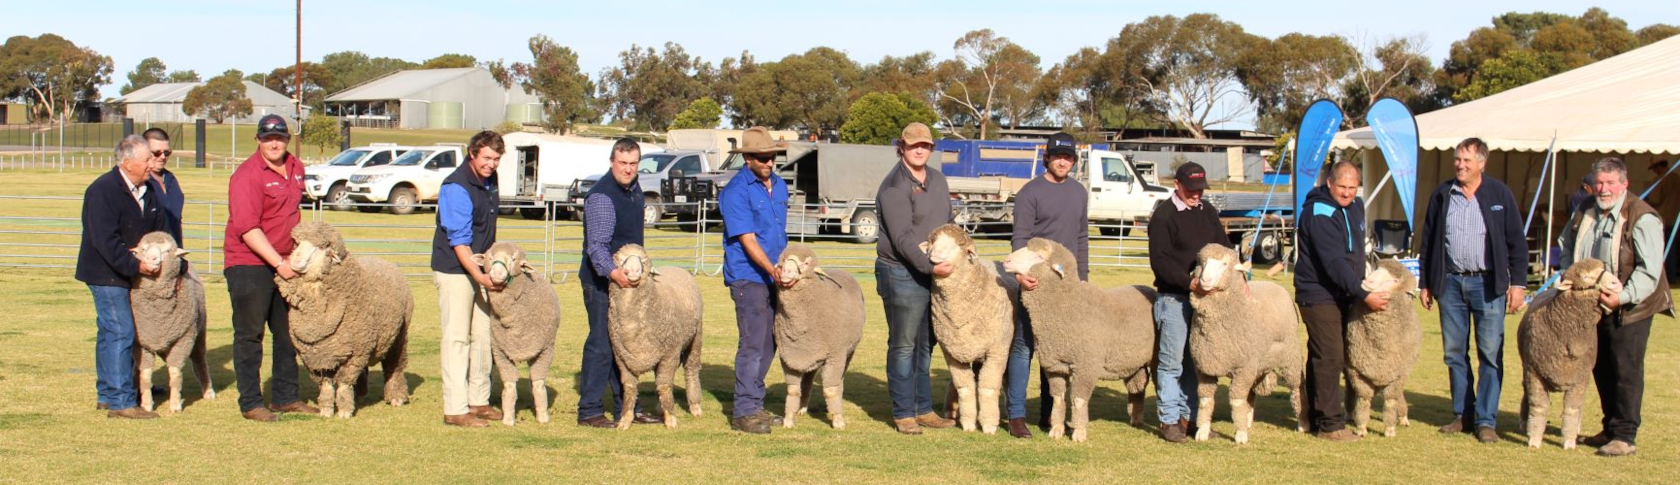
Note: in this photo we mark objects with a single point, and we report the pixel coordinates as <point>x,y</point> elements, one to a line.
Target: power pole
<point>297,85</point>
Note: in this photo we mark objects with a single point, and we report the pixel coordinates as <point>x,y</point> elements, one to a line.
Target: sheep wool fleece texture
<point>170,321</point>
<point>819,321</point>
<point>527,316</point>
<point>1382,348</point>
<point>1244,331</point>
<point>656,326</point>
<point>1558,341</point>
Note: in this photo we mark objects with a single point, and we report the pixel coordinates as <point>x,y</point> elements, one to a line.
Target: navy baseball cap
<point>1061,144</point>
<point>1191,176</point>
<point>273,125</point>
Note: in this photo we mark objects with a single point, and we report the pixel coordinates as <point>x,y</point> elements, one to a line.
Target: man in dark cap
<point>1178,229</point>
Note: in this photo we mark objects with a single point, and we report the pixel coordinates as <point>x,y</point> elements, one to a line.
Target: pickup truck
<point>329,182</point>
<point>410,180</point>
<point>651,175</point>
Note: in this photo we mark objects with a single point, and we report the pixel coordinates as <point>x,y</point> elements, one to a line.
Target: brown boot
<point>486,412</point>
<point>261,415</point>
<point>464,420</point>
<point>296,407</point>
<point>931,420</point>
<point>1595,441</point>
<point>1456,426</point>
<point>130,413</point>
<point>1486,434</point>
<point>907,426</point>
<point>599,421</point>
<point>1617,448</point>
<point>645,418</point>
<point>1339,436</point>
<point>1174,432</point>
<point>1018,428</point>
<point>1188,427</point>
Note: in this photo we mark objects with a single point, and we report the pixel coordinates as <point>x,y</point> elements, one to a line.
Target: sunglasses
<point>162,153</point>
<point>762,158</point>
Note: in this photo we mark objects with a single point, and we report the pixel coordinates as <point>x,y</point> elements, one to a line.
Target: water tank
<point>444,115</point>
<point>524,113</point>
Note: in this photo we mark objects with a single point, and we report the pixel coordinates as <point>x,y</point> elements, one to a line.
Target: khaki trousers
<point>465,351</point>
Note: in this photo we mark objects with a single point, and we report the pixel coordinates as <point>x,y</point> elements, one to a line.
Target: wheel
<point>338,197</point>
<point>403,200</point>
<point>866,226</point>
<point>1270,249</point>
<point>506,211</point>
<point>652,212</point>
<point>532,213</point>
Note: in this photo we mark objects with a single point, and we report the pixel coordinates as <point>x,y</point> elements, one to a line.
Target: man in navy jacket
<point>1474,261</point>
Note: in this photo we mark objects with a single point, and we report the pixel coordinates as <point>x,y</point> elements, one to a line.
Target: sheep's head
<point>798,263</point>
<point>634,261</point>
<point>1585,276</point>
<point>1041,258</point>
<point>1218,267</point>
<point>158,250</point>
<point>1390,277</point>
<point>319,248</point>
<point>948,243</point>
<point>502,261</point>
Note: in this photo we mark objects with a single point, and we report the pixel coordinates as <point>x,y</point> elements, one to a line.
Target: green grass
<point>50,432</point>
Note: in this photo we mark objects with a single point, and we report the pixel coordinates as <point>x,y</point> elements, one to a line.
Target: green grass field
<point>50,432</point>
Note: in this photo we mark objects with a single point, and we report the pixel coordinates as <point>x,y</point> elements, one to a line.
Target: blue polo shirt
<point>748,208</point>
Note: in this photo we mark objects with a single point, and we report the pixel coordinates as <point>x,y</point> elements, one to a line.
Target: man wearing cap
<point>1053,207</point>
<point>466,225</point>
<point>754,206</point>
<point>1328,278</point>
<point>1178,229</point>
<point>263,195</point>
<point>913,201</point>
<point>612,218</point>
<point>1475,260</point>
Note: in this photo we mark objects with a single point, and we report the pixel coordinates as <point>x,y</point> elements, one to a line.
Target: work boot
<point>773,419</point>
<point>102,407</point>
<point>485,412</point>
<point>467,420</point>
<point>1595,441</point>
<point>751,424</point>
<point>296,407</point>
<point>1339,436</point>
<point>261,415</point>
<point>599,421</point>
<point>1174,432</point>
<point>1486,434</point>
<point>931,420</point>
<point>131,413</point>
<point>1455,426</point>
<point>1188,427</point>
<point>907,426</point>
<point>645,418</point>
<point>1617,448</point>
<point>1018,428</point>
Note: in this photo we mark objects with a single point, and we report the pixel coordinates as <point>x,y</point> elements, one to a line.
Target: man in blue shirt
<point>754,206</point>
<point>466,225</point>
<point>157,141</point>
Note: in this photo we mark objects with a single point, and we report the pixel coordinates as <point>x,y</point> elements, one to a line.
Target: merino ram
<point>1558,342</point>
<point>1244,331</point>
<point>974,320</point>
<point>1383,346</point>
<point>527,316</point>
<point>655,325</point>
<point>347,312</point>
<point>169,319</point>
<point>1085,333</point>
<point>819,320</point>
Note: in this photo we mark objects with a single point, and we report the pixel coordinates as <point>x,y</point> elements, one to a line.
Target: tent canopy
<point>1629,103</point>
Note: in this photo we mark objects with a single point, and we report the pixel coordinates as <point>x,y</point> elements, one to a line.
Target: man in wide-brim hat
<point>754,207</point>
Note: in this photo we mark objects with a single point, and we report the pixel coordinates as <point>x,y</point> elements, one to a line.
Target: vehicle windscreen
<point>348,158</point>
<point>412,158</point>
<point>655,163</point>
<point>733,163</point>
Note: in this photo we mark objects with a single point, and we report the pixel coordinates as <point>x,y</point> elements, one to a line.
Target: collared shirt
<point>598,231</point>
<point>749,207</point>
<point>1647,246</point>
<point>1181,205</point>
<point>138,191</point>
<point>1466,233</point>
<point>261,198</point>
<point>455,211</point>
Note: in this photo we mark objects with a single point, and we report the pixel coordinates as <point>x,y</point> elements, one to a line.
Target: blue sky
<point>256,36</point>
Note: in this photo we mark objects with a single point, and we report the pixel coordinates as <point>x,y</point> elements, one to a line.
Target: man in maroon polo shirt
<point>263,196</point>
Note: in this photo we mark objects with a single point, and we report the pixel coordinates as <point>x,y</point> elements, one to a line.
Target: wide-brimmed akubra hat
<point>757,141</point>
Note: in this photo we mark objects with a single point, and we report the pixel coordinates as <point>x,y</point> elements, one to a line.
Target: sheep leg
<point>990,381</point>
<point>394,365</point>
<point>1536,401</point>
<point>834,385</point>
<point>1361,414</point>
<point>664,374</point>
<point>145,384</point>
<point>962,379</point>
<point>324,399</point>
<point>1135,387</point>
<point>1297,405</point>
<point>1083,384</point>
<point>1242,405</point>
<point>1058,408</point>
<point>691,370</point>
<point>539,385</point>
<point>509,372</point>
<point>200,360</point>
<point>1572,399</point>
<point>1206,387</point>
<point>795,389</point>
<point>174,389</point>
<point>1404,409</point>
<point>1393,394</point>
<point>627,408</point>
<point>347,378</point>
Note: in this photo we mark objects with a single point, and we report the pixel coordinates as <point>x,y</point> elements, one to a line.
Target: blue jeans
<point>598,371</point>
<point>1020,371</point>
<point>113,348</point>
<point>1466,304</point>
<point>756,350</point>
<point>1175,372</point>
<point>908,304</point>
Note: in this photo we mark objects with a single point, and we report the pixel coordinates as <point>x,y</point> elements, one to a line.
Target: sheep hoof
<point>839,422</point>
<point>1390,432</point>
<point>694,410</point>
<point>1079,435</point>
<point>670,421</point>
<point>1567,444</point>
<point>804,410</point>
<point>397,403</point>
<point>1055,432</point>
<point>1404,421</point>
<point>508,420</point>
<point>989,429</point>
<point>210,394</point>
<point>1358,431</point>
<point>1535,442</point>
<point>345,414</point>
<point>542,418</point>
<point>1241,438</point>
<point>1203,433</point>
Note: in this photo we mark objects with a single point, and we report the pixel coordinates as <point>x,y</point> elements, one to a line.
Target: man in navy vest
<point>466,225</point>
<point>754,207</point>
<point>612,218</point>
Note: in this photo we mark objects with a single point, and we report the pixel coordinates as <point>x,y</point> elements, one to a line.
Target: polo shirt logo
<point>1498,208</point>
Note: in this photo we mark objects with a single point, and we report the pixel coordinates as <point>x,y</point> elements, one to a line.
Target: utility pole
<point>297,85</point>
